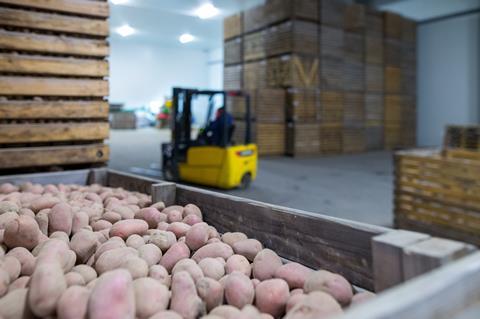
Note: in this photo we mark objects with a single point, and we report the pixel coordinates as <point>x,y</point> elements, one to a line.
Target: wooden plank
<point>387,253</point>
<point>52,22</point>
<point>131,182</point>
<point>427,255</point>
<point>45,109</point>
<point>32,42</point>
<point>30,64</point>
<point>53,155</point>
<point>53,132</point>
<point>41,86</point>
<point>440,294</point>
<point>314,240</point>
<point>81,7</point>
<point>67,177</point>
<point>165,192</point>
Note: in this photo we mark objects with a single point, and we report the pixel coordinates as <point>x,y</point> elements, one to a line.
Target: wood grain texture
<point>130,181</point>
<point>52,22</point>
<point>40,43</point>
<point>81,7</point>
<point>67,177</point>
<point>53,155</point>
<point>42,86</point>
<point>45,109</point>
<point>28,64</point>
<point>53,132</point>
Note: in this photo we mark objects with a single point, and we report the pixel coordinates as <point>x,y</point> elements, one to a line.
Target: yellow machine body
<point>222,167</point>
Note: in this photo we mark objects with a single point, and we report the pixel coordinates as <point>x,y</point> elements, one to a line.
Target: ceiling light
<point>125,30</point>
<point>118,1</point>
<point>206,11</point>
<point>186,37</point>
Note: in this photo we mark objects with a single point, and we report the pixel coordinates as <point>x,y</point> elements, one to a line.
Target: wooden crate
<point>302,138</point>
<point>374,138</point>
<point>393,109</point>
<point>393,25</point>
<point>331,107</point>
<point>255,75</point>
<point>266,106</point>
<point>292,71</point>
<point>254,19</point>
<point>53,83</point>
<point>332,13</point>
<point>269,137</point>
<point>374,24</point>
<point>293,36</point>
<point>233,50</point>
<point>409,30</point>
<point>409,56</point>
<point>331,137</point>
<point>354,76</point>
<point>353,109</point>
<point>353,139</point>
<point>332,42</point>
<point>303,105</point>
<point>232,77</point>
<point>374,78</point>
<point>233,26</point>
<point>281,10</point>
<point>393,80</point>
<point>254,46</point>
<point>465,137</point>
<point>374,111</point>
<point>392,137</point>
<point>354,47</point>
<point>393,51</point>
<point>355,18</point>
<point>374,50</point>
<point>370,257</point>
<point>409,121</point>
<point>331,73</point>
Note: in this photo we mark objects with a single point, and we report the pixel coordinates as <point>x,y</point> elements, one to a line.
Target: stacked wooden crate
<point>233,51</point>
<point>409,83</point>
<point>53,83</point>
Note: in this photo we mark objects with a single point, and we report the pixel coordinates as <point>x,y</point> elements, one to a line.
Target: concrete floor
<point>357,187</point>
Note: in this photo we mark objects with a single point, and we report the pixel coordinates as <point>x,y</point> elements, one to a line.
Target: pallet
<point>373,23</point>
<point>392,52</point>
<point>332,13</point>
<point>393,25</point>
<point>233,77</point>
<point>269,137</point>
<point>465,137</point>
<point>266,106</point>
<point>293,71</point>
<point>303,105</point>
<point>232,51</point>
<point>374,109</point>
<point>354,47</point>
<point>374,138</point>
<point>374,78</point>
<point>393,80</point>
<point>254,19</point>
<point>331,107</point>
<point>355,18</point>
<point>233,26</point>
<point>302,138</point>
<point>353,139</point>
<point>292,37</point>
<point>353,109</point>
<point>354,76</point>
<point>255,75</point>
<point>281,10</point>
<point>331,139</point>
<point>332,42</point>
<point>254,46</point>
<point>374,50</point>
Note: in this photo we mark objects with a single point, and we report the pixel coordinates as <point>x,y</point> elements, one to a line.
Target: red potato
<point>249,312</point>
<point>26,211</point>
<point>293,300</point>
<point>172,207</point>
<point>239,290</point>
<point>158,205</point>
<point>101,224</point>
<point>73,303</point>
<point>112,243</point>
<point>4,281</point>
<point>231,238</point>
<point>317,305</point>
<point>213,250</point>
<point>7,188</point>
<point>113,296</point>
<point>192,209</point>
<point>150,253</point>
<point>7,217</point>
<point>362,297</point>
<point>42,220</point>
<point>197,236</point>
<point>265,263</point>
<point>166,315</point>
<point>12,266</point>
<point>173,215</point>
<point>163,239</point>
<point>19,283</point>
<point>210,291</point>
<point>296,291</point>
<point>238,263</point>
<point>124,211</point>
<point>212,267</point>
<point>294,274</point>
<point>177,252</point>
<point>335,285</point>
<point>60,218</point>
<point>191,220</point>
<point>150,297</point>
<point>43,202</point>
<point>135,241</point>
<point>271,296</point>
<point>160,274</point>
<point>47,285</point>
<point>79,221</point>
<point>114,258</point>
<point>189,266</point>
<point>74,279</point>
<point>248,248</point>
<point>179,229</point>
<point>8,206</point>
<point>163,226</point>
<point>185,300</point>
<point>226,312</point>
<point>26,259</point>
<point>125,228</point>
<point>255,282</point>
<point>151,215</point>
<point>14,305</point>
<point>84,243</point>
<point>21,232</point>
<point>102,235</point>
<point>112,217</point>
<point>87,272</point>
<point>213,233</point>
<point>61,236</point>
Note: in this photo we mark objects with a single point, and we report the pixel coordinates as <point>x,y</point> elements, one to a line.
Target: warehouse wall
<point>215,69</point>
<point>448,76</point>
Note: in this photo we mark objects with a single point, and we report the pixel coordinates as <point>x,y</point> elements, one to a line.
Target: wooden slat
<point>82,7</point>
<point>28,64</point>
<point>53,155</point>
<point>44,109</point>
<point>40,43</point>
<point>52,22</point>
<point>79,176</point>
<point>41,86</point>
<point>53,132</point>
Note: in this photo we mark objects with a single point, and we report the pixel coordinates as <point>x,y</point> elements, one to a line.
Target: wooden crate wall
<point>53,83</point>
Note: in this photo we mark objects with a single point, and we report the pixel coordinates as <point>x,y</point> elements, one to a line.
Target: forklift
<point>208,160</point>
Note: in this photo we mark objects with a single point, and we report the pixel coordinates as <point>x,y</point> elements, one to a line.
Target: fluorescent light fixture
<point>125,30</point>
<point>118,1</point>
<point>186,37</point>
<point>207,11</point>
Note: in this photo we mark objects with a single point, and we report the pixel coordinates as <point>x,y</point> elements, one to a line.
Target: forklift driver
<point>217,130</point>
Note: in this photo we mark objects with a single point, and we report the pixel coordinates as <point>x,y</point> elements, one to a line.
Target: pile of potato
<point>71,251</point>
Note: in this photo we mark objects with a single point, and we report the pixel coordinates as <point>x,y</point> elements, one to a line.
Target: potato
<point>19,283</point>
<point>112,243</point>
<point>87,272</point>
<point>160,274</point>
<point>26,211</point>
<point>111,217</point>
<point>150,253</point>
<point>226,312</point>
<point>212,267</point>
<point>7,217</point>
<point>213,233</point>
<point>335,285</point>
<point>42,220</point>
<point>7,206</point>
<point>239,290</point>
<point>172,207</point>
<point>112,296</point>
<point>47,285</point>
<point>362,297</point>
<point>177,252</point>
<point>211,292</point>
<point>150,297</point>
<point>21,232</point>
<point>60,218</point>
<point>74,279</point>
<point>151,215</point>
<point>296,291</point>
<point>101,224</point>
<point>61,236</point>
<point>238,263</point>
<point>213,250</point>
<point>294,274</point>
<point>79,221</point>
<point>73,303</point>
<point>192,209</point>
<point>197,236</point>
<point>179,229</point>
<point>124,211</point>
<point>166,315</point>
<point>173,216</point>
<point>163,226</point>
<point>317,305</point>
<point>4,281</point>
<point>137,267</point>
<point>26,259</point>
<point>84,243</point>
<point>293,300</point>
<point>12,266</point>
<point>43,202</point>
<point>265,263</point>
<point>113,258</point>
<point>135,241</point>
<point>158,205</point>
<point>14,304</point>
<point>248,248</point>
<point>163,239</point>
<point>271,296</point>
<point>185,300</point>
<point>191,220</point>
<point>231,238</point>
<point>7,188</point>
<point>125,228</point>
<point>189,266</point>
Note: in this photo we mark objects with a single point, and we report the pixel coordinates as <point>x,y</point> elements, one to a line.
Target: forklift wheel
<point>246,180</point>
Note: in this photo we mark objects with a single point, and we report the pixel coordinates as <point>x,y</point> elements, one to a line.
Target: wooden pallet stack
<point>53,83</point>
<point>409,83</point>
<point>233,51</point>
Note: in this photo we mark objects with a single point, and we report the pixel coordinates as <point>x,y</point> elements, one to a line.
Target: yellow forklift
<point>209,160</point>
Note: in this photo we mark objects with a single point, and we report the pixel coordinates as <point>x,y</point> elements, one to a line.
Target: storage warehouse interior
<point>240,159</point>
